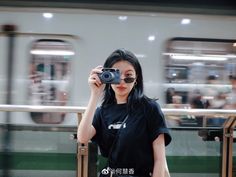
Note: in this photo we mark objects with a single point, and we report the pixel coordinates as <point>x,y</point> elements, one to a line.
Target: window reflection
<point>49,75</point>
<point>201,72</point>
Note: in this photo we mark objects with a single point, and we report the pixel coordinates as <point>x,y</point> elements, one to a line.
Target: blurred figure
<point>211,93</point>
<point>197,103</point>
<point>214,100</point>
<point>196,100</point>
<point>169,94</point>
<point>177,99</point>
<point>172,98</point>
<point>219,101</point>
<point>174,101</point>
<point>231,97</point>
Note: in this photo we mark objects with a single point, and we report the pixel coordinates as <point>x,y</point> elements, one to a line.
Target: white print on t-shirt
<point>116,125</point>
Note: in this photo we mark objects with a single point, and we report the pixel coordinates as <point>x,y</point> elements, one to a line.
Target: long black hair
<point>136,95</point>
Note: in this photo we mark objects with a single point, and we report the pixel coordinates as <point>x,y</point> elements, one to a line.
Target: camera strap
<point>115,139</point>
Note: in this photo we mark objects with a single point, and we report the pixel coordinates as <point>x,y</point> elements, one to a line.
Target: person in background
<point>129,127</point>
<point>170,92</point>
<point>210,93</point>
<point>231,97</point>
<point>197,103</point>
<point>214,100</point>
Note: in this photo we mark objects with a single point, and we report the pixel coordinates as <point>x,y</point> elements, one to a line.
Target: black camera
<point>110,76</point>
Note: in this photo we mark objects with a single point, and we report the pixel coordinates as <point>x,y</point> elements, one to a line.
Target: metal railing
<point>82,150</point>
<point>80,109</point>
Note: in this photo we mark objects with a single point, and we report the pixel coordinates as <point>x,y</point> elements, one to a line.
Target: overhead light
<point>52,52</point>
<point>122,18</point>
<point>185,21</point>
<point>47,15</point>
<point>151,38</point>
<point>174,74</point>
<point>234,44</point>
<point>192,57</point>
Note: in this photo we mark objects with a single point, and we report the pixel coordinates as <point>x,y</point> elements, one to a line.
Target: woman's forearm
<point>159,157</point>
<point>159,169</point>
<point>85,130</point>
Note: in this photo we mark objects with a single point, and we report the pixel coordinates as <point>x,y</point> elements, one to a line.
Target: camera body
<point>110,76</point>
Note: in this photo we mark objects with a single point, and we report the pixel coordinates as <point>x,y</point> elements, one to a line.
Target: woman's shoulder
<point>150,104</point>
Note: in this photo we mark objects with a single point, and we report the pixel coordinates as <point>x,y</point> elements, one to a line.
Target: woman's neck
<point>121,100</point>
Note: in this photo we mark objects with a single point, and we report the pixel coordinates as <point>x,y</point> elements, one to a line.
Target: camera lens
<point>107,76</point>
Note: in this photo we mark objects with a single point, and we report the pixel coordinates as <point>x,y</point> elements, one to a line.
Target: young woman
<point>128,127</point>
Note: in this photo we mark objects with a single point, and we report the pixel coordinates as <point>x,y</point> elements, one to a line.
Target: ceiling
<point>215,7</point>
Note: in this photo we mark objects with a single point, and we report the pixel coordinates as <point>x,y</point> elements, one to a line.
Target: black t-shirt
<point>133,146</point>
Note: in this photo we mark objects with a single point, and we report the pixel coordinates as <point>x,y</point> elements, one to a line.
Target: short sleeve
<point>156,123</point>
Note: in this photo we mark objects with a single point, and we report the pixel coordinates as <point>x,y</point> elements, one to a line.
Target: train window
<point>49,74</point>
<point>199,72</point>
<point>176,73</point>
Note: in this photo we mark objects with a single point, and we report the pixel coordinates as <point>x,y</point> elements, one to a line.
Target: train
<point>53,51</point>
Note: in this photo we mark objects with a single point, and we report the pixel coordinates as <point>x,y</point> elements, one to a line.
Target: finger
<point>96,70</point>
<point>95,77</point>
<point>99,67</point>
<point>96,83</point>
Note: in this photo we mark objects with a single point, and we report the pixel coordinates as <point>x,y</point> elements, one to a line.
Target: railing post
<point>227,154</point>
<point>231,141</point>
<point>10,31</point>
<point>82,156</point>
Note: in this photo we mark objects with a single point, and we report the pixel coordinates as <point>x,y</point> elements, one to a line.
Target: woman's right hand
<point>94,81</point>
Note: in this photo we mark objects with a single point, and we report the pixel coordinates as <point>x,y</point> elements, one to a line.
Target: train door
<point>199,74</point>
<point>42,75</point>
<point>49,76</point>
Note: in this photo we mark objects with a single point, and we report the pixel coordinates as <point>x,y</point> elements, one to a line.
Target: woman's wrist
<point>94,97</point>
